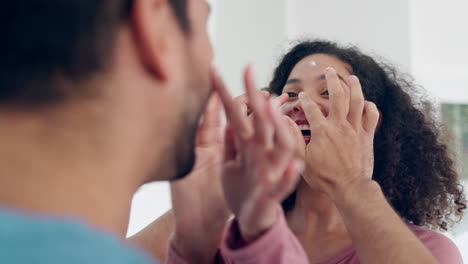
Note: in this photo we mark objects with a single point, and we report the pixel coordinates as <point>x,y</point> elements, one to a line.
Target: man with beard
<point>100,97</point>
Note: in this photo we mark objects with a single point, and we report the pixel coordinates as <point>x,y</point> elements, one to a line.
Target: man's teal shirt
<point>31,239</point>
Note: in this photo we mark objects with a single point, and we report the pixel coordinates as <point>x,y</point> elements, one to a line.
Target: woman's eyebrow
<point>322,77</point>
<point>294,80</point>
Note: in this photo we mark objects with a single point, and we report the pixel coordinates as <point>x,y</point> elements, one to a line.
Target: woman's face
<point>308,76</point>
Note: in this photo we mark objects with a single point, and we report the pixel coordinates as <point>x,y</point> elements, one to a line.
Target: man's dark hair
<point>47,41</point>
<point>180,11</point>
<point>412,165</point>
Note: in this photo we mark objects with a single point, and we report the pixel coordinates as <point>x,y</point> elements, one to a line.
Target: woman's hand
<point>340,155</point>
<point>260,167</point>
<point>198,201</point>
<point>340,162</point>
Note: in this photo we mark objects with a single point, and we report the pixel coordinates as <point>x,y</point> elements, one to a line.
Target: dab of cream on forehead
<point>312,63</point>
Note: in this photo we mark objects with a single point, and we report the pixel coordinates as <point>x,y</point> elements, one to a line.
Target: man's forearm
<point>378,233</point>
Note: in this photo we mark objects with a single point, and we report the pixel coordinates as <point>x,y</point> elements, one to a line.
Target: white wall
<point>439,36</point>
<point>375,26</point>
<point>150,202</point>
<point>245,32</point>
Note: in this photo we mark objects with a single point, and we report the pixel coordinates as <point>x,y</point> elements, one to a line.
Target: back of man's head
<point>47,41</point>
<point>112,69</point>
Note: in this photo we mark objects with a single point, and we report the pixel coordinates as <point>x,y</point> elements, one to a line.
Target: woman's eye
<point>325,93</point>
<point>292,94</point>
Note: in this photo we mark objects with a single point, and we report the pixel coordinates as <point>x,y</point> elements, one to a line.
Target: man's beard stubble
<point>184,151</point>
<point>185,141</point>
<point>181,151</point>
<point>177,155</point>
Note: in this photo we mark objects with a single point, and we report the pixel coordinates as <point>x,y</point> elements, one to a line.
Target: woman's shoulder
<point>441,246</point>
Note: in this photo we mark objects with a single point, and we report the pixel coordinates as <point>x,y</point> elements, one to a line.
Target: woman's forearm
<point>378,233</point>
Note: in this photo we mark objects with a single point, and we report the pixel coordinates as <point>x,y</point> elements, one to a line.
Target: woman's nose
<point>297,107</point>
<point>291,108</point>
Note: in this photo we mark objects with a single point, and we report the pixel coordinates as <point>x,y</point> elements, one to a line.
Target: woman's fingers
<point>288,181</point>
<point>210,128</point>
<point>311,110</point>
<point>270,131</point>
<point>280,100</point>
<point>243,102</point>
<point>284,139</point>
<point>230,151</point>
<point>263,129</point>
<point>356,103</point>
<point>298,137</point>
<point>371,117</point>
<point>339,97</point>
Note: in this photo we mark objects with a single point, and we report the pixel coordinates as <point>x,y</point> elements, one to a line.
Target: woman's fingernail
<point>330,70</point>
<point>353,79</point>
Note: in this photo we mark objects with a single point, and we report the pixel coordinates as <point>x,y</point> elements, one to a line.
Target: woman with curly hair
<point>411,165</point>
<point>378,181</point>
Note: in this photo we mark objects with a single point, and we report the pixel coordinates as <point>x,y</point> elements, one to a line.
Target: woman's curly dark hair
<point>412,165</point>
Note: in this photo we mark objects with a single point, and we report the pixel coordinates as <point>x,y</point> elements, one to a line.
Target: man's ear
<point>149,19</point>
